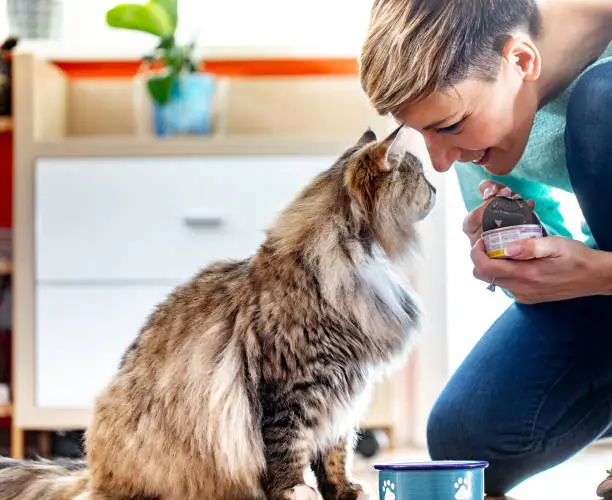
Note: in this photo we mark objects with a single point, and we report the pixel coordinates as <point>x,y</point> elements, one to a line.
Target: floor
<point>575,479</point>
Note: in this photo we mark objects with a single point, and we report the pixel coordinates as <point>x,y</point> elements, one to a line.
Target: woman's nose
<point>441,164</point>
<point>442,156</point>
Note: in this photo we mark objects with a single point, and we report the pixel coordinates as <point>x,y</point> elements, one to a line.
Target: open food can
<point>496,240</point>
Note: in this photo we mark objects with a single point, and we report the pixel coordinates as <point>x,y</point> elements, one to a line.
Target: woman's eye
<point>450,129</point>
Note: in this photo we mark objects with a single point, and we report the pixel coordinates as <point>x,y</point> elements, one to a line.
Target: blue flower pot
<point>443,480</point>
<point>190,109</point>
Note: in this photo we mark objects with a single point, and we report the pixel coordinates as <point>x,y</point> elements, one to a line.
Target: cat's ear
<point>404,140</point>
<point>396,149</point>
<point>367,137</point>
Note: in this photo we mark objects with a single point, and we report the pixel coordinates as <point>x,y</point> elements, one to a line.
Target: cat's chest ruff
<point>385,285</point>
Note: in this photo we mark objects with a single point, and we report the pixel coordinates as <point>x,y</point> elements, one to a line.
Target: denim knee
<point>449,435</point>
<point>470,429</point>
<point>591,96</point>
<point>589,115</point>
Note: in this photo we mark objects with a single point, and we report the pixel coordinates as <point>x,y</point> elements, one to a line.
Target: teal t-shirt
<point>541,168</point>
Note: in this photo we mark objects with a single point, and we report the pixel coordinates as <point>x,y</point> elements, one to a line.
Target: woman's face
<point>487,123</point>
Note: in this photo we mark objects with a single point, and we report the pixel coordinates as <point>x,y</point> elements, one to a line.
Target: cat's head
<point>372,196</point>
<point>386,186</point>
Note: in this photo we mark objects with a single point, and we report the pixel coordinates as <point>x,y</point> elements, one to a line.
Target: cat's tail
<point>43,479</point>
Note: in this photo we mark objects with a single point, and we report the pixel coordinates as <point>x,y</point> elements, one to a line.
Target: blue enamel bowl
<point>437,480</point>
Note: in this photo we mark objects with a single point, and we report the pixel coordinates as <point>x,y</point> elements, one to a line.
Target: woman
<point>516,95</point>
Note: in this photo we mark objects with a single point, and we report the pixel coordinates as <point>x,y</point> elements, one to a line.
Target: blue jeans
<point>537,388</point>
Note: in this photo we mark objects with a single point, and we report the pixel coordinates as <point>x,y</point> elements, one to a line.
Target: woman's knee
<point>452,434</point>
<point>466,426</point>
<point>591,96</point>
<point>589,120</point>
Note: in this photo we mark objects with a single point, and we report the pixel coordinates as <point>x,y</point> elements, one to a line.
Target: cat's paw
<point>301,492</point>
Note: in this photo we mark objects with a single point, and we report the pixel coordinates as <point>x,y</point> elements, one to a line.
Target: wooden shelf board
<point>110,146</point>
<point>6,267</point>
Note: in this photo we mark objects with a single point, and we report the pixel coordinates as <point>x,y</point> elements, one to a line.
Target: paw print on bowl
<point>388,490</point>
<point>462,489</point>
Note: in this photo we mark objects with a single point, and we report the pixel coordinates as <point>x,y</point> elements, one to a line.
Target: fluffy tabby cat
<point>256,369</point>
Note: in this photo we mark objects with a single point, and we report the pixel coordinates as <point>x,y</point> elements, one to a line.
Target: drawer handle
<point>202,220</point>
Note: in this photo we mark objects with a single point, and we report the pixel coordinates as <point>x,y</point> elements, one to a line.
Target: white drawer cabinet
<point>157,219</point>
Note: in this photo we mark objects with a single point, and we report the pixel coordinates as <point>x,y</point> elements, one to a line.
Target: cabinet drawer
<point>157,219</point>
<point>81,333</point>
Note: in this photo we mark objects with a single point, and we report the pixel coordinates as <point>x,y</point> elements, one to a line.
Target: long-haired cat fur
<point>256,369</point>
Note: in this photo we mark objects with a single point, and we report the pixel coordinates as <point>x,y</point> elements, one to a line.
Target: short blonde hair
<point>415,48</point>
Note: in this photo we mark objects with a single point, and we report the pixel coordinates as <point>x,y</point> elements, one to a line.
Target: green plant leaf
<point>160,87</point>
<point>150,18</point>
<point>171,8</point>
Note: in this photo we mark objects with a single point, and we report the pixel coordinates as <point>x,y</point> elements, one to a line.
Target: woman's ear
<point>521,53</point>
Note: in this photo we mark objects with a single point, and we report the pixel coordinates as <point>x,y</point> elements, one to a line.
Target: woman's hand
<point>472,224</point>
<point>546,269</point>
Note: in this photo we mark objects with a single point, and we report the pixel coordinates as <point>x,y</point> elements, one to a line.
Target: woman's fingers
<point>489,188</point>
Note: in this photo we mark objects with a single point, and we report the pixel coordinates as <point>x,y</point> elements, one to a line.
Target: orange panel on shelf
<point>250,67</point>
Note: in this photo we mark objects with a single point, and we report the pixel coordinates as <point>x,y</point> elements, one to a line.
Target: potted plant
<point>181,95</point>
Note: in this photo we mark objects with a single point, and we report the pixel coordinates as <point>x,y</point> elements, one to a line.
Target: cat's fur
<point>256,369</point>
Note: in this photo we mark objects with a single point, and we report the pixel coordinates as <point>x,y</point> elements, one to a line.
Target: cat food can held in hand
<point>437,480</point>
<point>496,240</point>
